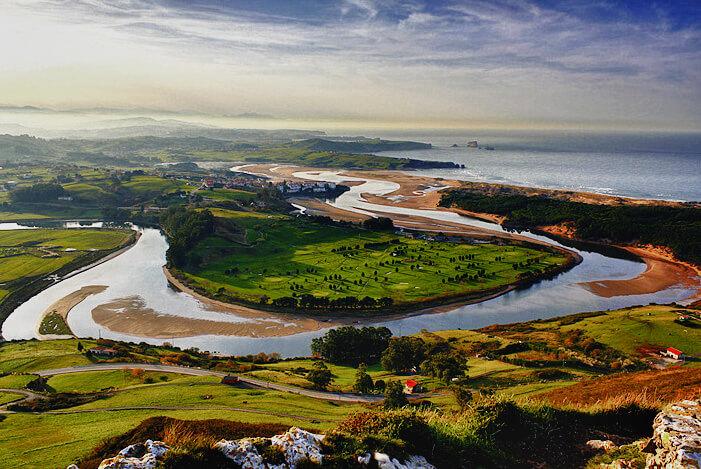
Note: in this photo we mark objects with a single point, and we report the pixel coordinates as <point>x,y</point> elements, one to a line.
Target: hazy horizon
<point>361,63</point>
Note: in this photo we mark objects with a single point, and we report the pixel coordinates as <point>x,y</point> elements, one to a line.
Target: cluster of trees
<point>378,223</point>
<point>185,228</point>
<point>438,359</point>
<point>349,345</point>
<point>308,301</point>
<point>38,193</point>
<point>678,228</point>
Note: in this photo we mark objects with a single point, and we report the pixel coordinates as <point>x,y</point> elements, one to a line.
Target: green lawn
<point>31,253</point>
<point>31,355</point>
<point>6,397</point>
<point>286,253</point>
<point>54,323</point>
<point>15,380</point>
<point>628,329</point>
<point>97,380</point>
<point>228,194</point>
<point>64,438</point>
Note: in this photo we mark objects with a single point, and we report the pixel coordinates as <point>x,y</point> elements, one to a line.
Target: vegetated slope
<point>174,431</point>
<point>359,146</point>
<point>654,387</point>
<point>676,227</point>
<point>137,151</point>
<point>490,434</point>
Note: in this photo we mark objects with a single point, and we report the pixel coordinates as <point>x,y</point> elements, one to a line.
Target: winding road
<point>323,395</point>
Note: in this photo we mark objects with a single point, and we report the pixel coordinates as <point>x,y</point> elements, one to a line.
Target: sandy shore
<point>662,271</point>
<point>64,306</point>
<point>130,316</point>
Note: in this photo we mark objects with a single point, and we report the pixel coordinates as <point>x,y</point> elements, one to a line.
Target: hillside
<point>360,145</point>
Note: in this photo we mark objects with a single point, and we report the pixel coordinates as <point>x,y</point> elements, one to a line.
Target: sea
<point>640,165</point>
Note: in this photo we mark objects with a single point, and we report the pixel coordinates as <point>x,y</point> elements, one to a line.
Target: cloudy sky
<point>418,62</point>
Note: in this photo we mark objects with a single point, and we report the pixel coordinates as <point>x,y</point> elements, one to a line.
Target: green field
<point>286,257</point>
<point>32,253</point>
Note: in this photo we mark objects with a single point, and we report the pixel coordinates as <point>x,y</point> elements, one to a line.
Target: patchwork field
<point>284,257</point>
<point>27,254</point>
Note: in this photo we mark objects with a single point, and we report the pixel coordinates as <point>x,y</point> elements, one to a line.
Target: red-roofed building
<point>411,386</point>
<point>674,353</point>
<point>103,351</point>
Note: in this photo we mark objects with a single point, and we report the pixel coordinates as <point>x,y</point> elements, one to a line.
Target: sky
<point>421,63</point>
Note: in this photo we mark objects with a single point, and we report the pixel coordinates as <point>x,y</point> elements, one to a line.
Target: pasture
<point>286,257</point>
<point>26,254</point>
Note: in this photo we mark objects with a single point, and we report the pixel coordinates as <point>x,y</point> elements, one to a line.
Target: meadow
<point>286,257</point>
<point>59,437</point>
<point>31,253</point>
<point>498,383</point>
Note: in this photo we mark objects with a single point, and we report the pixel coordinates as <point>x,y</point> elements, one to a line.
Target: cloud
<point>550,61</point>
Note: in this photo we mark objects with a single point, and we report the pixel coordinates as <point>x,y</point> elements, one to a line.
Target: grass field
<point>31,253</point>
<point>32,355</point>
<point>68,436</point>
<point>288,256</point>
<point>228,195</point>
<point>6,397</point>
<point>630,328</point>
<point>92,381</point>
<point>54,323</point>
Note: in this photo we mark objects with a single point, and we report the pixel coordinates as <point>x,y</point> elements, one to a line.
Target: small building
<point>230,380</point>
<point>102,351</point>
<point>412,386</point>
<point>208,183</point>
<point>674,353</point>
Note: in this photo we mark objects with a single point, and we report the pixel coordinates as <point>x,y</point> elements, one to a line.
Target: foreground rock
<point>676,438</point>
<point>286,451</point>
<point>140,456</point>
<point>292,447</point>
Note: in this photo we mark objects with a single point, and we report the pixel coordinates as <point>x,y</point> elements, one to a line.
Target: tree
<point>363,381</point>
<point>445,365</point>
<point>462,393</point>
<point>403,353</point>
<point>348,345</point>
<point>80,347</point>
<point>394,395</point>
<point>378,223</point>
<point>320,376</point>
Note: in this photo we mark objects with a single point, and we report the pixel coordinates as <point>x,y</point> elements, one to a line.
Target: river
<point>138,273</point>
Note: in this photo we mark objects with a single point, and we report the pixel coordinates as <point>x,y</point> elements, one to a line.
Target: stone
<point>676,438</point>
<point>602,445</point>
<point>138,456</point>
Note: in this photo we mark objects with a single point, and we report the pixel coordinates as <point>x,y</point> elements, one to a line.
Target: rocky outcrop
<point>676,438</point>
<point>294,446</point>
<point>385,462</point>
<point>140,456</point>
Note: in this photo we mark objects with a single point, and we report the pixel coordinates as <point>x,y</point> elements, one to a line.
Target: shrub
<point>394,395</point>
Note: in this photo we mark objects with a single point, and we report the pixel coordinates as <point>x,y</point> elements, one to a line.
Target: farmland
<point>283,257</point>
<point>28,256</point>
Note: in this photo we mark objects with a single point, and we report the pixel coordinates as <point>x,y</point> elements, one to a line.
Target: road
<point>323,395</point>
<point>28,396</point>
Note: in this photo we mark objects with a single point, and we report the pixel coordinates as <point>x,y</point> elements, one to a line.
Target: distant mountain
<point>149,127</point>
<point>360,145</point>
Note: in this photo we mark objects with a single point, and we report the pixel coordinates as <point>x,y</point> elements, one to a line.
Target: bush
<point>363,381</point>
<point>320,376</point>
<point>394,395</point>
